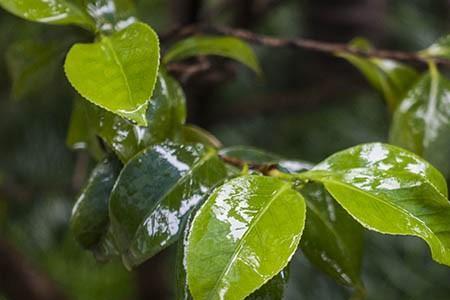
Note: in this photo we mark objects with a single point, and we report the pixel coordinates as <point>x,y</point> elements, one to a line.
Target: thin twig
<point>302,43</point>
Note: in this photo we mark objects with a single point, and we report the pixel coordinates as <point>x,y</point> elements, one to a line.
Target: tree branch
<point>300,43</point>
<point>234,161</point>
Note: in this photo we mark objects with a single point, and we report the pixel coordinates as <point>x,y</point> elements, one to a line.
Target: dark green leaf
<point>257,156</point>
<point>60,12</point>
<point>229,47</point>
<point>332,240</point>
<point>80,135</point>
<point>31,64</point>
<point>118,72</point>
<point>422,121</point>
<point>155,191</point>
<point>273,289</point>
<point>90,219</point>
<point>166,114</point>
<point>392,191</point>
<point>250,154</point>
<point>244,234</point>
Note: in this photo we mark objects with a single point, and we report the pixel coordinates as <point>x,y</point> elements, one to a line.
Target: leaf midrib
<point>391,205</point>
<point>238,247</point>
<point>122,71</point>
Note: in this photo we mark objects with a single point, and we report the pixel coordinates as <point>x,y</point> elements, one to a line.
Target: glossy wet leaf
<point>111,15</point>
<point>118,72</point>
<point>332,239</point>
<point>183,292</point>
<point>31,65</point>
<point>166,113</point>
<point>89,222</point>
<point>391,78</point>
<point>273,289</point>
<point>390,190</point>
<point>244,234</point>
<point>422,121</point>
<point>440,48</point>
<point>228,47</point>
<point>195,134</point>
<point>61,12</point>
<point>155,191</point>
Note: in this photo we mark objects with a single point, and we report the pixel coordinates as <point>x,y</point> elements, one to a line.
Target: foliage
<point>239,214</point>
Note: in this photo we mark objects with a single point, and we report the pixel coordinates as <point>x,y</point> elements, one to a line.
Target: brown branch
<point>234,161</point>
<point>300,43</point>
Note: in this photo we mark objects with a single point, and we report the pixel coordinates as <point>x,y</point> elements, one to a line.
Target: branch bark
<point>301,43</point>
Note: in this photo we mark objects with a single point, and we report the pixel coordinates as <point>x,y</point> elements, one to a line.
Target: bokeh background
<point>307,106</point>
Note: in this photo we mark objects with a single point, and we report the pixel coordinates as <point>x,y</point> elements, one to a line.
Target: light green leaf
<point>61,12</point>
<point>332,239</point>
<point>244,234</point>
<point>272,290</point>
<point>229,47</point>
<point>155,192</point>
<point>89,222</point>
<point>165,116</point>
<point>391,78</point>
<point>392,191</point>
<point>422,121</point>
<point>441,48</point>
<point>118,72</point>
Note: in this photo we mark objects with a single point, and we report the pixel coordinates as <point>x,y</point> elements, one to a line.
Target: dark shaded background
<point>307,106</point>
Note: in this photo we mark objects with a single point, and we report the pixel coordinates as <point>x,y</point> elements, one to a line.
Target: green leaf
<point>422,121</point>
<point>183,292</point>
<point>89,222</point>
<point>155,191</point>
<point>440,48</point>
<point>165,115</point>
<point>273,289</point>
<point>390,190</point>
<point>391,78</point>
<point>31,65</point>
<point>60,12</point>
<point>332,240</point>
<point>80,135</point>
<point>250,154</point>
<point>111,15</point>
<point>118,72</point>
<point>244,234</point>
<point>195,134</point>
<point>228,47</point>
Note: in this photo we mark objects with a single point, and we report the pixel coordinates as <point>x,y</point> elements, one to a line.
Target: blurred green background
<point>307,106</point>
